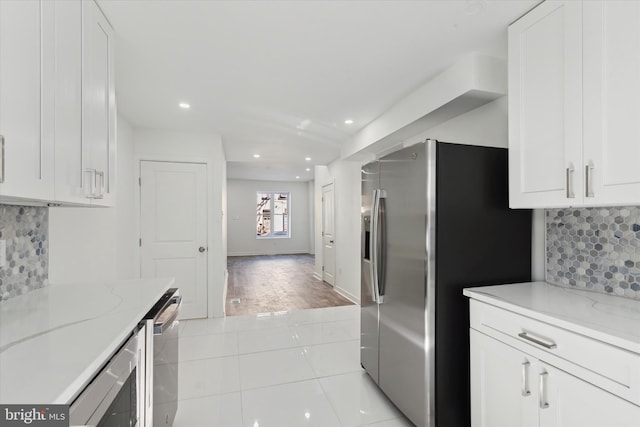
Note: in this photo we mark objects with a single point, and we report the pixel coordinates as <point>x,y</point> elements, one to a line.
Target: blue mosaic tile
<point>26,231</point>
<point>595,249</point>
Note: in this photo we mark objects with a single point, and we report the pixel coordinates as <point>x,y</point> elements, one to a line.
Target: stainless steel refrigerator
<point>435,219</point>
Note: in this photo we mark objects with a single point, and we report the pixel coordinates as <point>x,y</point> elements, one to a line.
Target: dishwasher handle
<point>168,316</point>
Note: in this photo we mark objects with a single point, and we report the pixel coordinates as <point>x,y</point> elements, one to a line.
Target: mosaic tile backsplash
<point>595,249</point>
<point>25,230</point>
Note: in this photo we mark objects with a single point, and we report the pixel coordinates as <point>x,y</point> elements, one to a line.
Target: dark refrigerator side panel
<point>479,241</point>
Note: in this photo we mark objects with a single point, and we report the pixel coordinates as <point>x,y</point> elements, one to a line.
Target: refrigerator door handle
<point>378,254</point>
<point>382,258</point>
<point>375,204</point>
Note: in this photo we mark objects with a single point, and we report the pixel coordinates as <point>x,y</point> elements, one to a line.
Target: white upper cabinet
<point>57,103</point>
<point>574,91</point>
<point>98,106</point>
<point>545,105</point>
<point>26,99</point>
<point>612,101</point>
<point>68,101</point>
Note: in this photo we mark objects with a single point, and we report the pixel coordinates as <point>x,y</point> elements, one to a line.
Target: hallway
<point>274,283</point>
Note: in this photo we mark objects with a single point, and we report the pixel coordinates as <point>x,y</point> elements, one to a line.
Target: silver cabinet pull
<point>569,179</point>
<point>525,379</point>
<point>99,185</point>
<point>544,404</point>
<point>1,159</point>
<point>89,183</point>
<point>588,174</point>
<point>535,340</point>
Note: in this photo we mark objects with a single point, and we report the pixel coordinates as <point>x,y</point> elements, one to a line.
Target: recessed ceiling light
<point>304,124</point>
<point>297,177</point>
<point>308,159</point>
<point>308,169</point>
<point>184,105</point>
<point>348,122</point>
<point>256,156</point>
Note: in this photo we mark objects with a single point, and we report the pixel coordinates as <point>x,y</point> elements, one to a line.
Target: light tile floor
<point>288,369</point>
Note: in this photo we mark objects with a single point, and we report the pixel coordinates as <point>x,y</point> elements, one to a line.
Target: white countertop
<point>53,340</point>
<point>610,319</point>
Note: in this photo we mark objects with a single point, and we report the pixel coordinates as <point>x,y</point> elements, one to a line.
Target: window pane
<point>263,214</point>
<point>272,215</point>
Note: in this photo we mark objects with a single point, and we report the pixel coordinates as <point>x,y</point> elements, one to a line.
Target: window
<point>272,214</point>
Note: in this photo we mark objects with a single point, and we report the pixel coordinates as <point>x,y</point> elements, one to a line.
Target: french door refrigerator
<point>435,219</point>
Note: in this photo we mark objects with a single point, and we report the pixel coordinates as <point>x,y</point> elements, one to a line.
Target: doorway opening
<point>275,283</point>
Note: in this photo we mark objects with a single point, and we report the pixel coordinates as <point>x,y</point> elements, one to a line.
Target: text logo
<point>34,415</point>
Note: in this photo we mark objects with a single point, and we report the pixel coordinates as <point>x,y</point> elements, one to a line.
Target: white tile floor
<point>285,369</point>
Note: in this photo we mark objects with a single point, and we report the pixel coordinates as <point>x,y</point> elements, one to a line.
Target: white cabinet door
<point>503,393</point>
<point>612,101</point>
<point>567,401</point>
<point>26,101</point>
<point>98,105</point>
<point>68,101</point>
<point>545,106</point>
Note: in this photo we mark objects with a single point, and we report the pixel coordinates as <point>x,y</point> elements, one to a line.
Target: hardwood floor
<point>270,283</point>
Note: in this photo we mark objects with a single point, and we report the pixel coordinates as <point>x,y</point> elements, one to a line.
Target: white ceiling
<point>278,78</point>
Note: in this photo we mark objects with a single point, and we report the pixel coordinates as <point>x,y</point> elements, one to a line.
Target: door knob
<point>202,249</point>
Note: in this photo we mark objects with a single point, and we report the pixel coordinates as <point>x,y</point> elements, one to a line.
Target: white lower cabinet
<point>501,390</point>
<point>526,372</point>
<point>510,388</point>
<point>569,401</point>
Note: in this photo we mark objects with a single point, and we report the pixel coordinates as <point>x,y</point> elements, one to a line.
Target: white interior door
<point>173,229</point>
<point>328,236</point>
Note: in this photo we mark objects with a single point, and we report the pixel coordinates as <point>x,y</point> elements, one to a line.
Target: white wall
<point>242,218</point>
<point>197,148</point>
<point>90,244</point>
<point>346,178</point>
<point>488,126</point>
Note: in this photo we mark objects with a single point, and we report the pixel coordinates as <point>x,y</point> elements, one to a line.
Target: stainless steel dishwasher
<point>162,337</point>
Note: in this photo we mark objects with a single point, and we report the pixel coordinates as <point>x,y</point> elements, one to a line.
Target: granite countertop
<point>610,319</point>
<point>53,340</point>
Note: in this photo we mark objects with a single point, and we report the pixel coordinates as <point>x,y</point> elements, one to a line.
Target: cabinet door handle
<point>588,176</point>
<point>1,159</point>
<point>539,341</point>
<point>569,179</point>
<point>90,183</point>
<point>544,404</point>
<point>525,379</point>
<point>99,185</point>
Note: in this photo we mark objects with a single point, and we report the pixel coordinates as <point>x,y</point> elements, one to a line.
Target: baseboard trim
<point>317,276</point>
<point>347,295</point>
<point>292,252</point>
